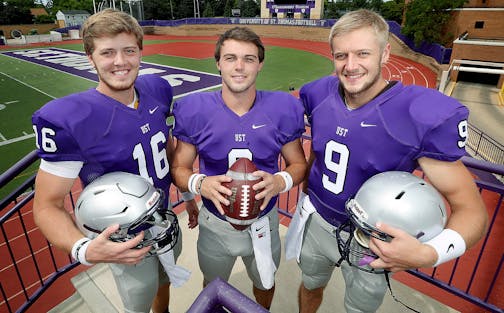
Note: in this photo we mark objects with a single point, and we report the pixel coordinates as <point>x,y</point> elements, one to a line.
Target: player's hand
<point>213,190</point>
<point>403,252</point>
<point>103,250</point>
<point>193,212</point>
<point>270,186</point>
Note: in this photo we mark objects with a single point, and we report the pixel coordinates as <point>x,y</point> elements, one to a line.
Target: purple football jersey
<point>389,133</point>
<point>221,136</point>
<point>107,135</point>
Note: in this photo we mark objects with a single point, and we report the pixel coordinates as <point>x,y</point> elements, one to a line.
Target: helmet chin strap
<point>363,240</point>
<point>387,278</point>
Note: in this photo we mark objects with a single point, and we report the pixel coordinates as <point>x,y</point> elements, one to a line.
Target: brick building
<point>480,30</point>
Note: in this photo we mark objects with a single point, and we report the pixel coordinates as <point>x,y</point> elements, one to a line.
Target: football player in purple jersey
<point>118,126</point>
<point>361,125</point>
<point>221,126</point>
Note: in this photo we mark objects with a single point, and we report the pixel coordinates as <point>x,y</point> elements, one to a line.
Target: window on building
<point>479,24</point>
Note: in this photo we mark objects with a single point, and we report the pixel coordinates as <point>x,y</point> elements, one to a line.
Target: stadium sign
<point>279,21</point>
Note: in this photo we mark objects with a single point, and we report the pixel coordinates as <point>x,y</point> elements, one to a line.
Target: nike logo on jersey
<point>364,124</point>
<point>254,126</point>
<point>151,111</point>
<point>451,246</point>
<point>259,228</point>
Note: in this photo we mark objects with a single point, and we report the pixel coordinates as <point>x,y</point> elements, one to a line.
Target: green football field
<point>26,86</point>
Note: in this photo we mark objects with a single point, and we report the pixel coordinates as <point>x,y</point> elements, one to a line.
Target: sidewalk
<point>287,283</point>
<point>482,101</point>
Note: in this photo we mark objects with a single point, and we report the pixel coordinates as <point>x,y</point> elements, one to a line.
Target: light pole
<point>196,8</point>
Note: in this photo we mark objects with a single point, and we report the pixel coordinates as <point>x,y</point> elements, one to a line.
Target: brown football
<point>243,208</point>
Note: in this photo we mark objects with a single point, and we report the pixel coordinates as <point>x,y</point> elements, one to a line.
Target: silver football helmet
<point>132,202</point>
<point>399,199</point>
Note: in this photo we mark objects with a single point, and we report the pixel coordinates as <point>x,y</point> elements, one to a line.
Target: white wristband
<point>79,251</point>
<point>193,181</point>
<point>448,244</point>
<point>187,196</point>
<point>76,245</point>
<point>287,179</point>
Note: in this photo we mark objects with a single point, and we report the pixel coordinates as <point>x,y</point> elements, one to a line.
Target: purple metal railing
<point>218,295</point>
<point>11,208</point>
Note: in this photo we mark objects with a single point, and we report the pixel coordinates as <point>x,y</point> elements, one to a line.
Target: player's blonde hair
<point>109,23</point>
<point>241,34</point>
<point>358,19</point>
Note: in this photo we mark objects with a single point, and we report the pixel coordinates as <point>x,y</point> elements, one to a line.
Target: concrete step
<point>97,293</point>
<point>97,288</point>
<point>73,304</point>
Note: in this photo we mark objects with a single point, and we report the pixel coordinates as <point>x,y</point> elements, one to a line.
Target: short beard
<point>364,88</point>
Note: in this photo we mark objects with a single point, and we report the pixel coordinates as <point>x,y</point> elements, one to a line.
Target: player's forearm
<point>304,183</point>
<point>49,211</point>
<point>57,226</point>
<point>472,224</point>
<point>182,164</point>
<point>297,172</point>
<point>453,180</point>
<point>181,175</point>
<point>295,161</point>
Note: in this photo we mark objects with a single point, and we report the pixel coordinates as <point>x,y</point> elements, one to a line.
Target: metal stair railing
<point>18,292</point>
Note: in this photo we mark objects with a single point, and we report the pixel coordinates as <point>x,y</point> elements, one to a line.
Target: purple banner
<point>183,81</point>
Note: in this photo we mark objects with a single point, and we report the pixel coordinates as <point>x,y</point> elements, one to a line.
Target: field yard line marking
<point>52,68</point>
<point>6,142</point>
<point>2,137</point>
<point>29,86</point>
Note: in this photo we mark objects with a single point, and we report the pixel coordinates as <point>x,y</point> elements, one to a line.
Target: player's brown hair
<point>240,34</point>
<point>109,23</point>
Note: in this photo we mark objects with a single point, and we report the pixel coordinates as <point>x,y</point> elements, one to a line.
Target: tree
<point>335,9</point>
<point>45,19</point>
<point>376,5</point>
<point>249,8</point>
<point>393,10</point>
<point>426,19</point>
<point>358,4</point>
<point>218,7</point>
<point>208,11</point>
<point>159,9</point>
<point>185,9</point>
<point>227,8</point>
<point>331,10</point>
<point>16,12</point>
<point>56,5</point>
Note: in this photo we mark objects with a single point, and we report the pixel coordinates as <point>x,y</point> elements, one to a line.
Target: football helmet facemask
<point>398,199</point>
<point>132,202</point>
